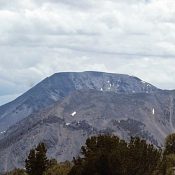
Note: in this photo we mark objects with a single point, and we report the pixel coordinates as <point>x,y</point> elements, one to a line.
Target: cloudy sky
<point>41,37</point>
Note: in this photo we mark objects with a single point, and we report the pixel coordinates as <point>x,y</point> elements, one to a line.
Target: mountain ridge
<point>65,125</point>
<point>59,85</point>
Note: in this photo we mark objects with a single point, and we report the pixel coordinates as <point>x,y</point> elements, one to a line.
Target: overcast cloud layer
<point>41,37</point>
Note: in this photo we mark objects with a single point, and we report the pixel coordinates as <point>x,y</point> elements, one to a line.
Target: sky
<point>41,37</point>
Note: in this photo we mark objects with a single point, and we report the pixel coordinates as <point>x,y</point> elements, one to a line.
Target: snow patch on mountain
<point>2,132</point>
<point>74,113</point>
<point>153,111</point>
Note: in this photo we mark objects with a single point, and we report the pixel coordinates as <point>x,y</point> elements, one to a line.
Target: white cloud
<point>41,37</point>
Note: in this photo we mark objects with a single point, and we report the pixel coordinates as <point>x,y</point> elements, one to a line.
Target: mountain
<point>64,126</point>
<point>60,85</point>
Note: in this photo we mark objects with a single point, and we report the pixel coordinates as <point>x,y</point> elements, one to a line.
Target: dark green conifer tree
<point>42,161</point>
<point>30,163</point>
<point>170,144</point>
<point>37,161</point>
<point>109,155</point>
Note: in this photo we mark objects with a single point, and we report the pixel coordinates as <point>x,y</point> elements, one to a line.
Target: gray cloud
<point>41,37</point>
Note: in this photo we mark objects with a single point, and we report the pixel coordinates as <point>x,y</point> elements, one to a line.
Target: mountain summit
<point>60,85</point>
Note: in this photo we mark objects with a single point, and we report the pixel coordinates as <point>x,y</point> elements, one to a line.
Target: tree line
<point>106,155</point>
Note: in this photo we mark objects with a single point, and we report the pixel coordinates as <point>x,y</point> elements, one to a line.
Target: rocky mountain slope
<point>64,126</point>
<point>61,85</point>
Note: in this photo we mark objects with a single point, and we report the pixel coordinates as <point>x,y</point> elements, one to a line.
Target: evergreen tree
<point>170,144</point>
<point>37,162</point>
<point>109,155</point>
<point>42,161</point>
<point>142,158</point>
<point>30,163</point>
<point>168,157</point>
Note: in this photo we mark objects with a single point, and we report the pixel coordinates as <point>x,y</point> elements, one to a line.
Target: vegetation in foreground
<point>105,155</point>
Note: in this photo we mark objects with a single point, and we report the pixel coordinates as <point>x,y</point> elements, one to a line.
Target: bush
<point>17,172</point>
<point>59,169</point>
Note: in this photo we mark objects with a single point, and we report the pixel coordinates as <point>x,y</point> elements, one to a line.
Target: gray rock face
<point>65,125</point>
<point>61,85</point>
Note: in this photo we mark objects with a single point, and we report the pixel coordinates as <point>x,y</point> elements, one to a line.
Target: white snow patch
<point>74,113</point>
<point>110,85</point>
<point>2,132</point>
<point>67,124</point>
<point>101,89</point>
<point>143,82</point>
<point>153,111</point>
